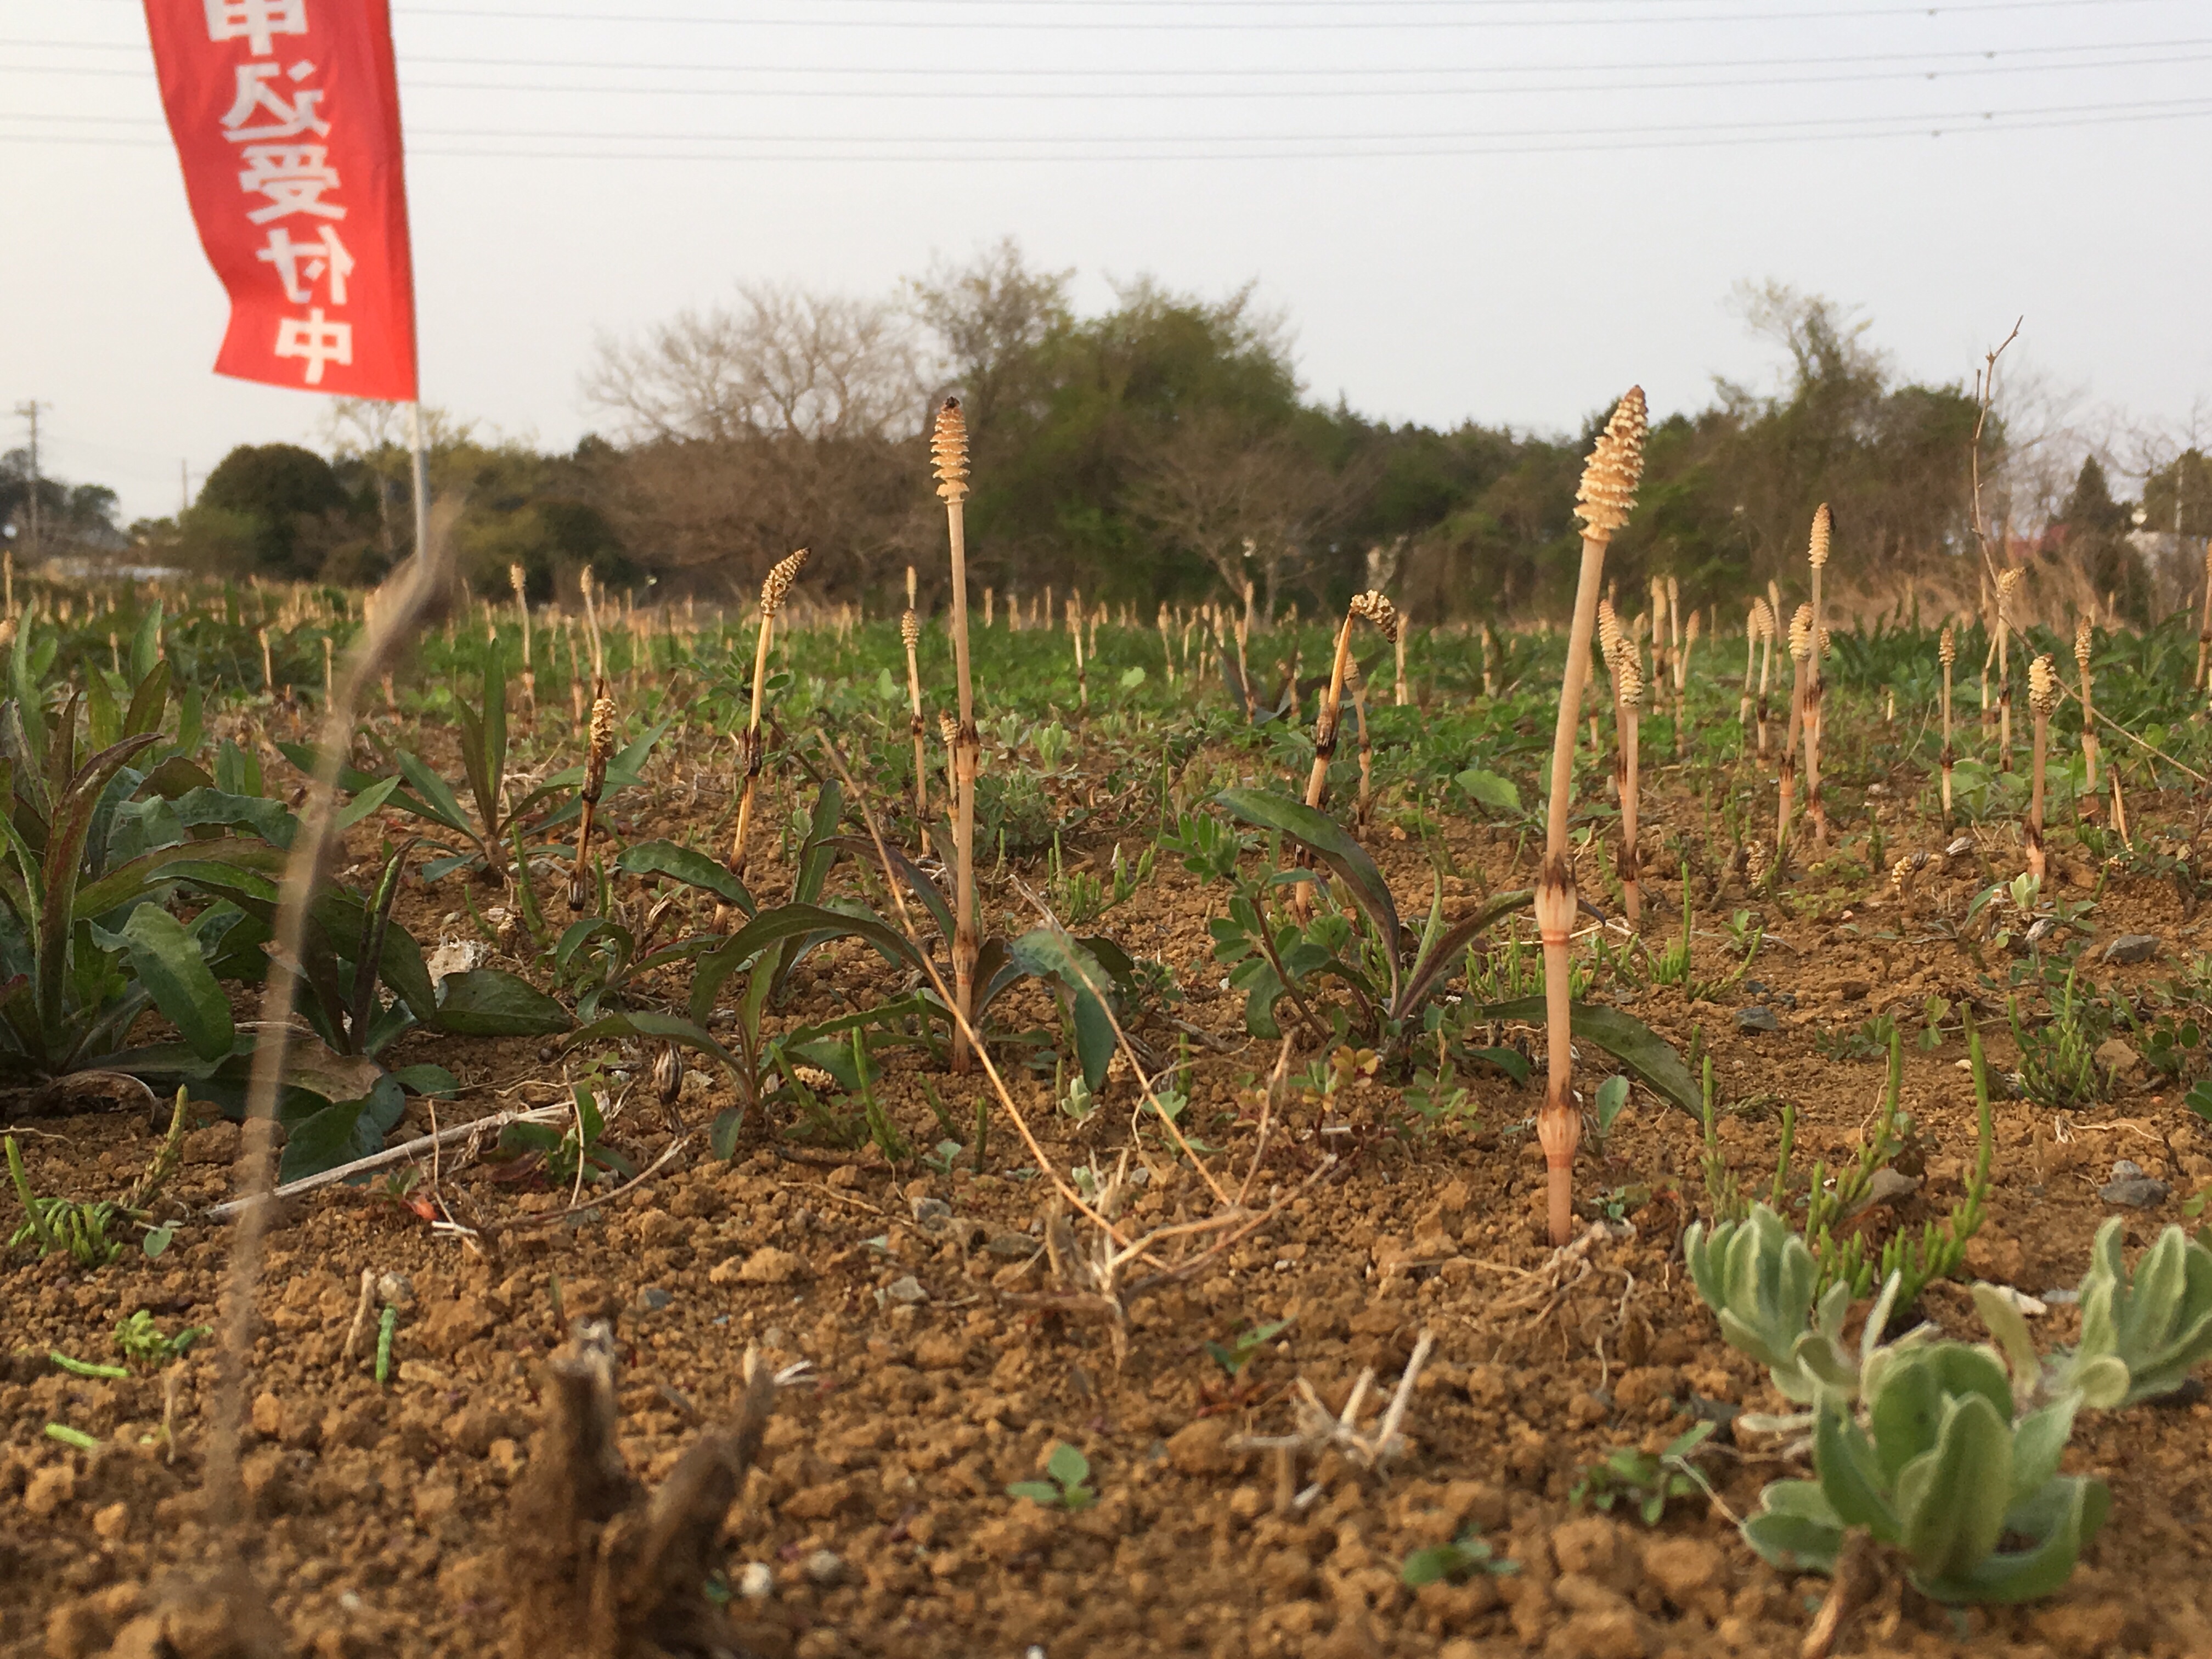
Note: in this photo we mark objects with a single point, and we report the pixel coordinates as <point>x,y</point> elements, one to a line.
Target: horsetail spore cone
<point>948,455</point>
<point>1768,630</point>
<point>1801,652</point>
<point>1602,502</point>
<point>2042,700</point>
<point>1946,651</point>
<point>1816,554</point>
<point>599,744</point>
<point>773,590</point>
<point>2008,581</point>
<point>2082,642</point>
<point>1628,715</point>
<point>1374,608</point>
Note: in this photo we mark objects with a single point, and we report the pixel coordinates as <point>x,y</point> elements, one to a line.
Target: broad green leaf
<point>689,865</point>
<point>1489,789</point>
<point>1047,952</point>
<point>1650,1058</point>
<point>341,1133</point>
<point>1952,1501</point>
<point>168,962</point>
<point>491,1002</point>
<point>1329,841</point>
<point>665,1028</point>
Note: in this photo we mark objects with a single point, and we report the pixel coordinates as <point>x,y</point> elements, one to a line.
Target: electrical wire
<point>1626,66</point>
<point>417,83</point>
<point>1365,24</point>
<point>1620,140</point>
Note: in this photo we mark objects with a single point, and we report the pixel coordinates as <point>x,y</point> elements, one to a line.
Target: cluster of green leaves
<point>1643,1481</point>
<point>1066,1485</point>
<point>1832,1200</point>
<point>1947,1452</point>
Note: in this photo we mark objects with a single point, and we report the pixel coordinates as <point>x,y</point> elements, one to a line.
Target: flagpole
<point>421,481</point>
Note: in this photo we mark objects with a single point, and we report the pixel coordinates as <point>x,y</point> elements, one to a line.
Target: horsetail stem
<point>2042,700</point>
<point>1608,492</point>
<point>773,590</point>
<point>948,453</point>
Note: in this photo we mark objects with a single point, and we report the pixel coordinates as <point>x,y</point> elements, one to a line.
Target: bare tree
<point>987,319</point>
<point>1252,503</point>
<point>781,363</point>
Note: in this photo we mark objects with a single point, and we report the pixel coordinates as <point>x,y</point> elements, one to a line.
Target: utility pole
<point>184,487</point>
<point>29,411</point>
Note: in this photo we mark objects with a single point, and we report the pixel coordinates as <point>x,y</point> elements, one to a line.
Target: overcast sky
<point>1507,209</point>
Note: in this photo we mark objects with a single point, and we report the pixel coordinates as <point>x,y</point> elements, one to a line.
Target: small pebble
<point>653,1298</point>
<point>2130,1189</point>
<point>930,1213</point>
<point>823,1568</point>
<point>906,1290</point>
<point>395,1291</point>
<point>1756,1019</point>
<point>2130,948</point>
<point>756,1582</point>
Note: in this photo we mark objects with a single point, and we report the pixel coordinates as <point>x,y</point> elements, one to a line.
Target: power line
<point>1365,24</point>
<point>1639,129</point>
<point>1058,94</point>
<point>939,73</point>
<point>1552,141</point>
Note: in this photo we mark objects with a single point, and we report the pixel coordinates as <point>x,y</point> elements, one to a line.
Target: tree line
<point>1164,451</point>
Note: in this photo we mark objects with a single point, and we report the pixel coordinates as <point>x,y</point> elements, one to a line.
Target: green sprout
<point>1067,1470</point>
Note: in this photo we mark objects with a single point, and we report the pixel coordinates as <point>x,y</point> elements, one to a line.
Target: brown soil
<point>383,1513</point>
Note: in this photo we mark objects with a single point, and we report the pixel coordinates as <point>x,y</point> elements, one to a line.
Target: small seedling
<point>386,1326</point>
<point>1612,1099</point>
<point>1241,1349</point>
<point>142,1343</point>
<point>69,1437</point>
<point>81,1367</point>
<point>946,1154</point>
<point>1648,1481</point>
<point>1067,1471</point>
<point>1455,1562</point>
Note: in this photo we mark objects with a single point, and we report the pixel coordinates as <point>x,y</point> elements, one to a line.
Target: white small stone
<point>823,1568</point>
<point>756,1582</point>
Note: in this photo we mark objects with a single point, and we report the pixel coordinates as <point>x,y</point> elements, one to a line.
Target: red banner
<point>286,114</point>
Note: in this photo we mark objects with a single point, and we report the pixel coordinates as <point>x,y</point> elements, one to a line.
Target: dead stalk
<point>910,634</point>
<point>1767,630</point>
<point>1357,686</point>
<point>1607,491</point>
<point>398,620</point>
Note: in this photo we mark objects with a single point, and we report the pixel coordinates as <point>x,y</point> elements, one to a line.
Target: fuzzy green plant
<point>2157,1321</point>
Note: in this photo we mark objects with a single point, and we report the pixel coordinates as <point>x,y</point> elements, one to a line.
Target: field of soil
<point>878,1521</point>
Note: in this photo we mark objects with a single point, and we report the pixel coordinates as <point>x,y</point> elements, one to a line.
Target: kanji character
<point>300,266</point>
<point>317,340</point>
<point>255,22</point>
<point>293,177</point>
<point>254,93</point>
